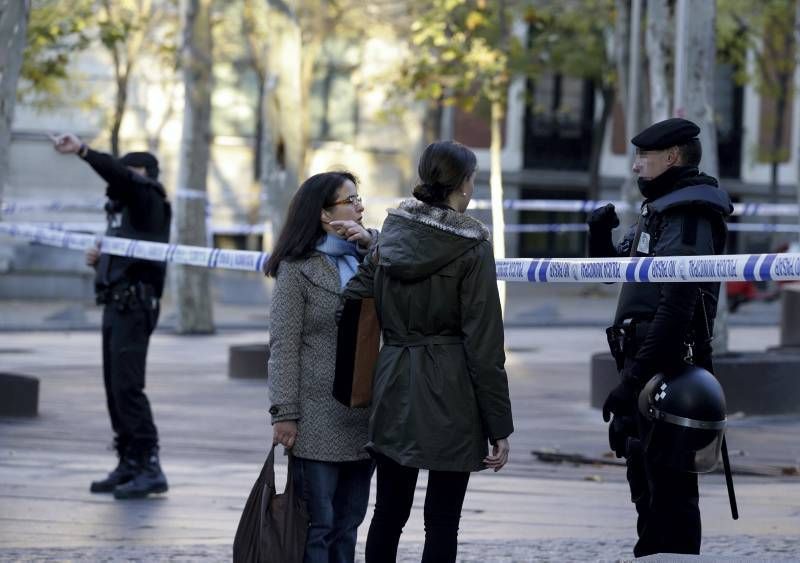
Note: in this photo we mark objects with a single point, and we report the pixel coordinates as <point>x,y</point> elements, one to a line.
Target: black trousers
<point>667,503</point>
<point>126,335</point>
<point>395,495</point>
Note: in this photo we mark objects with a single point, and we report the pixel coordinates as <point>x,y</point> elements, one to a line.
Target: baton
<point>729,479</point>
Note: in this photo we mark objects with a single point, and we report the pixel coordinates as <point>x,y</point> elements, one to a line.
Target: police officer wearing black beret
<point>130,289</point>
<point>660,326</point>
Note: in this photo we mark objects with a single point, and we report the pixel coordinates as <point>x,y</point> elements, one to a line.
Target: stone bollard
<point>754,382</point>
<point>19,395</point>
<point>248,361</point>
<point>790,315</point>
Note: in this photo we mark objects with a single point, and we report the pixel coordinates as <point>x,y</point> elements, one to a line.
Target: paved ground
<point>242,303</point>
<point>214,438</point>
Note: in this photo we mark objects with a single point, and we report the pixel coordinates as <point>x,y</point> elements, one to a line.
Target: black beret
<point>142,160</point>
<point>665,134</point>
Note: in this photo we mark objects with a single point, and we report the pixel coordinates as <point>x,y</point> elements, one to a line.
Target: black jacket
<point>685,218</point>
<point>137,208</point>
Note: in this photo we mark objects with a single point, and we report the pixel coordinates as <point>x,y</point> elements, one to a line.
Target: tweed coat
<point>440,391</point>
<point>302,363</point>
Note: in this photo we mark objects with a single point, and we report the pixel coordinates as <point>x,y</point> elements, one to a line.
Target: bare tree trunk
<point>700,50</point>
<point>120,102</point>
<point>496,188</point>
<point>259,140</point>
<point>272,177</point>
<point>598,134</point>
<point>796,42</point>
<point>432,122</point>
<point>13,30</point>
<point>622,39</point>
<point>777,140</point>
<point>659,41</point>
<point>286,113</point>
<point>192,283</point>
<point>630,193</point>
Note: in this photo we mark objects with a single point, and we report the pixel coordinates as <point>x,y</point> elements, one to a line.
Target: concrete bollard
<point>790,315</point>
<point>754,382</point>
<point>248,361</point>
<point>19,395</point>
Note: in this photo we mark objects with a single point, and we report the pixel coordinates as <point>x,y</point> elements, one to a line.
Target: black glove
<point>603,218</point>
<point>619,431</point>
<point>622,400</point>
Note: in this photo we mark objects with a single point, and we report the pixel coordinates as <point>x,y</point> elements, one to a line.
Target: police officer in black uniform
<point>659,327</point>
<point>130,289</point>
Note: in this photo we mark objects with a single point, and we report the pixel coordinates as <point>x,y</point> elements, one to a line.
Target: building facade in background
<point>546,149</point>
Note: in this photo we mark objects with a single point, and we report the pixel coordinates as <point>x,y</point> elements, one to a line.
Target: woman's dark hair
<point>443,168</point>
<point>302,230</point>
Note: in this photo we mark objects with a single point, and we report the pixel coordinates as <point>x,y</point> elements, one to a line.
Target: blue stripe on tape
<point>131,248</point>
<point>750,266</point>
<point>764,270</point>
<point>212,258</point>
<point>543,270</point>
<point>170,252</point>
<point>630,271</point>
<point>644,271</point>
<point>532,270</point>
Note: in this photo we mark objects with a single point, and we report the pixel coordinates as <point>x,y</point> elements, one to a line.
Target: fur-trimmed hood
<point>419,239</point>
<point>443,218</point>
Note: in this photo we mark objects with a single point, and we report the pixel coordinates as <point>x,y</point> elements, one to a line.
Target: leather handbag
<point>357,347</point>
<point>273,526</point>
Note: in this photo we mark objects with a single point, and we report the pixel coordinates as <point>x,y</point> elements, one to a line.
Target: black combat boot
<point>122,473</point>
<point>148,479</point>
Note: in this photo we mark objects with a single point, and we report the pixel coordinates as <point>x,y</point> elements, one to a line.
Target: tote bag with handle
<point>273,526</point>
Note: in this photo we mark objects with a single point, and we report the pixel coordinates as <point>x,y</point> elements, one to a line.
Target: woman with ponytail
<point>440,392</point>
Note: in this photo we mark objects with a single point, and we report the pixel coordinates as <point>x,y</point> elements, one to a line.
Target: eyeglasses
<point>350,200</point>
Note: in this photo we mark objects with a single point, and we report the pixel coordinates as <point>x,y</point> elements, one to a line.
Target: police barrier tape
<point>157,251</point>
<point>248,229</point>
<point>582,227</point>
<point>75,206</point>
<point>740,267</point>
<point>565,205</point>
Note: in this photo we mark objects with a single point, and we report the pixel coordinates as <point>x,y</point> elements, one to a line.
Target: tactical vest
<point>687,205</point>
<point>154,226</point>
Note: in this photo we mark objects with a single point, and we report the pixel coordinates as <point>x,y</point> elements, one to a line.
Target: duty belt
<point>128,295</point>
<point>624,340</point>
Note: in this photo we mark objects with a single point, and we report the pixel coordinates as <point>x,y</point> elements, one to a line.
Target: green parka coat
<point>440,390</point>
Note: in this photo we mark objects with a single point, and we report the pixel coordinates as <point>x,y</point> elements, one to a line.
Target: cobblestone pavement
<point>214,435</point>
<point>719,548</point>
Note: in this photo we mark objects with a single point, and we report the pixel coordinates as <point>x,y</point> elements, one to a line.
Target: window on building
<point>551,244</point>
<point>558,122</point>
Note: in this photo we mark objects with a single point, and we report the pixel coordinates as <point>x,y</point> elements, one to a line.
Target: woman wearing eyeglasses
<point>317,252</point>
<point>440,393</point>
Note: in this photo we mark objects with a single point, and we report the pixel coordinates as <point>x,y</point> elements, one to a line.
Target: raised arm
<point>123,183</point>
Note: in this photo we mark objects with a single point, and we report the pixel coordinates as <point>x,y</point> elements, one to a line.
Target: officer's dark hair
<point>691,152</point>
<point>302,230</point>
<point>443,168</point>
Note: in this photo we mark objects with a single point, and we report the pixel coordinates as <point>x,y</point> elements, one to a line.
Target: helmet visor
<point>693,450</point>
